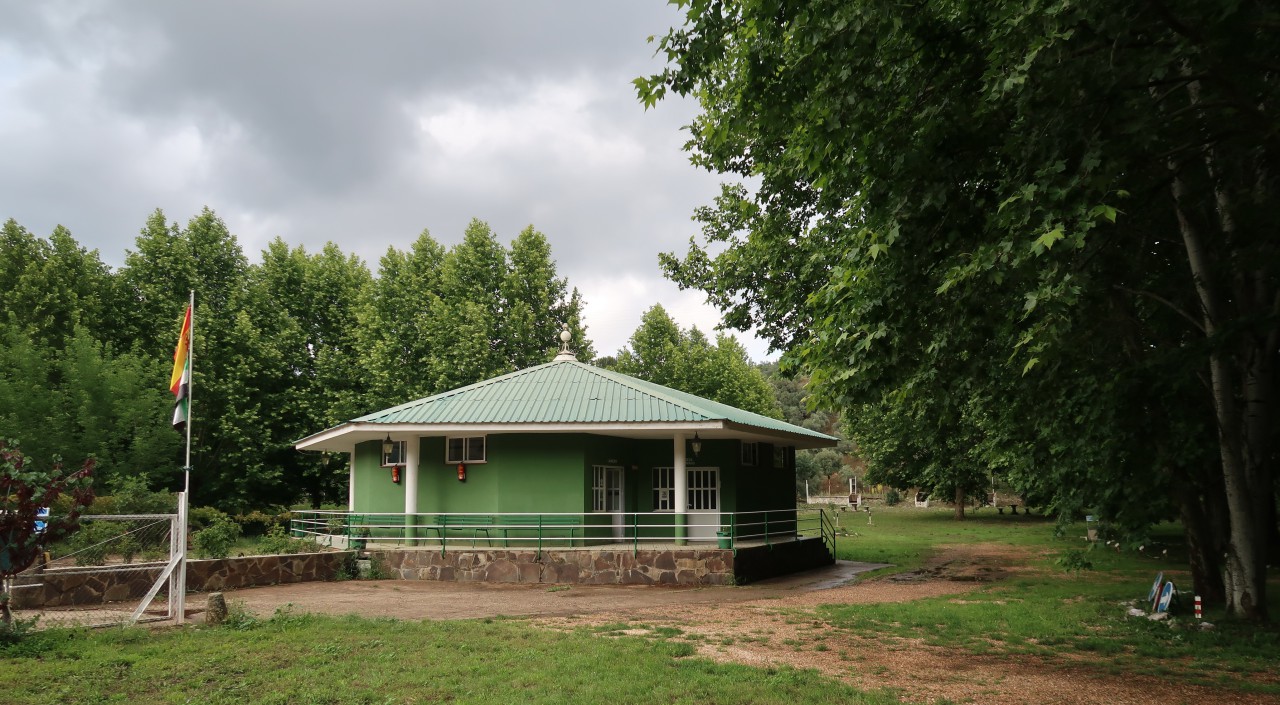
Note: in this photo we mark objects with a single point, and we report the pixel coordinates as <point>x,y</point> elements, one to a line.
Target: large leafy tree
<point>954,199</point>
<point>315,301</point>
<point>659,351</point>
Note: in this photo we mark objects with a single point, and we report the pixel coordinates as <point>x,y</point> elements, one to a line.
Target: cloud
<point>358,124</point>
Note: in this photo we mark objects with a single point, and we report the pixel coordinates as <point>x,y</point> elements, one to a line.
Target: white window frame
<point>396,457</point>
<point>750,453</point>
<point>664,478</point>
<point>466,456</point>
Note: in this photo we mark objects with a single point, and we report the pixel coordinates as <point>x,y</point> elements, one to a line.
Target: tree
<point>25,488</point>
<point>395,322</point>
<point>973,189</point>
<point>660,352</point>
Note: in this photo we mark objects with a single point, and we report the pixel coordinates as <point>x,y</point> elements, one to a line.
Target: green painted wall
<point>553,473</point>
<point>375,492</point>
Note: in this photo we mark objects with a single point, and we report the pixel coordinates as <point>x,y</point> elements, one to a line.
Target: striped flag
<point>180,380</point>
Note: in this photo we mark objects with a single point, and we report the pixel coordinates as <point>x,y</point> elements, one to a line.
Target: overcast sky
<point>360,123</point>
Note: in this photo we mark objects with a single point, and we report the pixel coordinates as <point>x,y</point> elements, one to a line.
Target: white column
<point>351,479</point>
<point>411,475</point>
<point>411,487</point>
<point>681,501</point>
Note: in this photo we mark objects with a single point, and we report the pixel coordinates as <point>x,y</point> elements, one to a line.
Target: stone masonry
<point>60,587</point>
<point>675,566</point>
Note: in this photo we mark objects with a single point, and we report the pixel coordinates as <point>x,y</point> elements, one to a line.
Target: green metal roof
<point>570,392</point>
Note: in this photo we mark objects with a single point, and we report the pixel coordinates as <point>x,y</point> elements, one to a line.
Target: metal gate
<point>109,572</point>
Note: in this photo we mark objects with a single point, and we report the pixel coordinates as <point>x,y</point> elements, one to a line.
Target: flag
<point>180,380</point>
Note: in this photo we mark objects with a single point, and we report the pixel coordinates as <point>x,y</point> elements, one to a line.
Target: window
<point>750,453</point>
<point>464,449</point>
<point>664,489</point>
<point>779,457</point>
<point>396,456</point>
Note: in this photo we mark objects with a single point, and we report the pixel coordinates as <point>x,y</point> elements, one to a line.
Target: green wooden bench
<point>473,522</point>
<point>538,525</point>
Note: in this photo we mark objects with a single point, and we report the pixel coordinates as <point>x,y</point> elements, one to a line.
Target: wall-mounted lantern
<point>388,446</point>
<point>696,444</point>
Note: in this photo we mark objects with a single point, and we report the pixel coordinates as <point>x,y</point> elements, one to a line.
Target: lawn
<point>1072,620</point>
<point>326,660</point>
<point>1065,601</point>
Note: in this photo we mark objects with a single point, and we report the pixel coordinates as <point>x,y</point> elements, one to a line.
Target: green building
<point>602,455</point>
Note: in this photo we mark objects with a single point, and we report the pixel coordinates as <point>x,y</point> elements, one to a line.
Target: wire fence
<point>102,574</point>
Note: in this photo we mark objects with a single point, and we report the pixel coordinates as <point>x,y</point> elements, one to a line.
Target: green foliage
<point>278,541</point>
<point>26,488</point>
<point>685,360</point>
<point>1009,238</point>
<point>258,523</point>
<point>297,343</point>
<point>216,540</point>
<point>892,497</point>
<point>15,630</point>
<point>201,517</point>
<point>1074,560</point>
<point>93,542</point>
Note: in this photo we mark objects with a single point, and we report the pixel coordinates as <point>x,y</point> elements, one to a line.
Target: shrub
<point>217,540</point>
<point>93,541</point>
<point>201,517</point>
<point>892,497</point>
<point>277,540</point>
<point>257,523</point>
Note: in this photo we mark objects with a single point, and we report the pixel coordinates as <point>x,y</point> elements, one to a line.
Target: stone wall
<point>60,587</point>
<point>760,562</point>
<point>675,566</point>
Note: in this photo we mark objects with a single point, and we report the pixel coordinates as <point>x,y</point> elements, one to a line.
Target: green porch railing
<point>540,531</point>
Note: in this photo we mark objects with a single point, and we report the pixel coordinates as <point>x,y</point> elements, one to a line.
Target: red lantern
<point>395,474</point>
<point>462,472</point>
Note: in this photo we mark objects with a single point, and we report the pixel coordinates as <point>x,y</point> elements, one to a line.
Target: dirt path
<point>775,623</point>
<point>786,630</point>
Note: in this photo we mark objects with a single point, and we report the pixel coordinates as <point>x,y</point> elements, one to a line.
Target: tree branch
<point>1172,306</point>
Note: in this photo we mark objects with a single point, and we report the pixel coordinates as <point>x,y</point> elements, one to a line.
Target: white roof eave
<point>344,437</point>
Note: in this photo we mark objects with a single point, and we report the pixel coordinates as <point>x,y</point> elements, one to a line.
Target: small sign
<point>664,496</point>
<point>42,515</point>
<point>1155,588</point>
<point>1166,596</point>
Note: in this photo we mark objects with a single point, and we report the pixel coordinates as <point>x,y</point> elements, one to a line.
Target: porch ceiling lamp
<point>696,443</point>
<point>388,445</point>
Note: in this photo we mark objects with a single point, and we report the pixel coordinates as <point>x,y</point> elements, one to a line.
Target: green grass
<point>1050,612</point>
<point>328,660</point>
<point>1070,620</point>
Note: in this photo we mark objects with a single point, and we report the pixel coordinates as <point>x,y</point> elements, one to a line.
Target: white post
<point>806,493</point>
<point>351,479</point>
<point>681,480</point>
<point>411,484</point>
<point>178,547</point>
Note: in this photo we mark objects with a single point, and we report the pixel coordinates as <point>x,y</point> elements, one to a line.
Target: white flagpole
<point>191,364</point>
<point>179,584</point>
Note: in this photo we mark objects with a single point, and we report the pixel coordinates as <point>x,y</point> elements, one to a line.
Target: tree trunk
<point>1206,538</point>
<point>1242,393</point>
<point>959,502</point>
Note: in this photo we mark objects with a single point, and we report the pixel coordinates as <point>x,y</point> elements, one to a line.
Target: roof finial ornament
<point>565,337</point>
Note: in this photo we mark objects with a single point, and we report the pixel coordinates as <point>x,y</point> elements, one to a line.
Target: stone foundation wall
<point>676,566</point>
<point>760,562</point>
<point>61,587</point>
